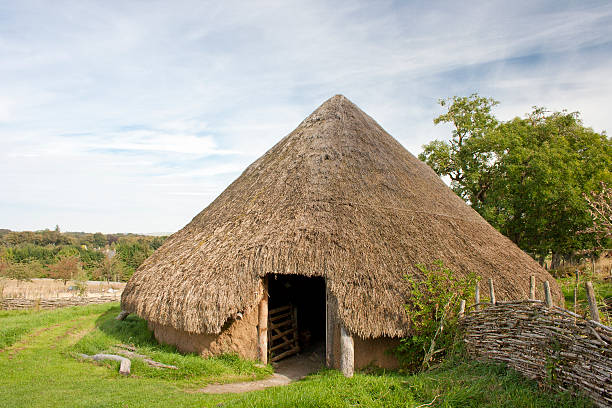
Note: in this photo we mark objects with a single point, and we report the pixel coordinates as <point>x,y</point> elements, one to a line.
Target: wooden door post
<point>330,325</point>
<point>262,328</point>
<point>347,353</point>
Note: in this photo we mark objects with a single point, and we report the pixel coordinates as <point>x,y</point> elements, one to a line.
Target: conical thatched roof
<point>340,198</point>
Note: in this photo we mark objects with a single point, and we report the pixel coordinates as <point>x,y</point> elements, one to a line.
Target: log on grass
<point>124,368</point>
<point>145,359</point>
<point>122,315</point>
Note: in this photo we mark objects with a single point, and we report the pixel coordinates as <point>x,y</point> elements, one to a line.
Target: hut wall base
<point>239,338</point>
<point>368,352</point>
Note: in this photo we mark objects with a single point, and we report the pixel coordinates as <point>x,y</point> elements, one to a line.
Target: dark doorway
<point>296,315</point>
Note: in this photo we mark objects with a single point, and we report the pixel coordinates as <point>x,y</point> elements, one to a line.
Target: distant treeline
<point>73,255</point>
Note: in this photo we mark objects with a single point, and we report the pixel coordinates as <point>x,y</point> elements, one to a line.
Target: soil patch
<point>287,371</point>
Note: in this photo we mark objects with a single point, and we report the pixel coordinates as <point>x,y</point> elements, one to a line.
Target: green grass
<point>17,323</point>
<point>40,370</point>
<point>602,288</point>
<point>193,371</point>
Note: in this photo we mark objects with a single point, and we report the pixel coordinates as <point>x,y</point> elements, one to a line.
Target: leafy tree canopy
<point>527,176</point>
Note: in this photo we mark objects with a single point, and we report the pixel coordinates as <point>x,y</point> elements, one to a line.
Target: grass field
<point>38,368</point>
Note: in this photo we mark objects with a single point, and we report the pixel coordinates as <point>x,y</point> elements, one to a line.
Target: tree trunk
<point>555,263</point>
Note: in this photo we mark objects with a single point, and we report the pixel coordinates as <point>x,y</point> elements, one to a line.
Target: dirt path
<point>287,371</point>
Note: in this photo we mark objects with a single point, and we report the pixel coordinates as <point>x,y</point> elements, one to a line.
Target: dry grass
<point>339,198</point>
<point>52,288</point>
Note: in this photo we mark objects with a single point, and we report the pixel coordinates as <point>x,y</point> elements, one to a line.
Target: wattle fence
<point>54,303</point>
<point>544,342</point>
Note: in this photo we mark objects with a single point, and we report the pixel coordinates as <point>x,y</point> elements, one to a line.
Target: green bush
<point>432,311</point>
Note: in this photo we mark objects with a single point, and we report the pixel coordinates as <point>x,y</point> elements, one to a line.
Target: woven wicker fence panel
<point>545,344</point>
<point>20,303</point>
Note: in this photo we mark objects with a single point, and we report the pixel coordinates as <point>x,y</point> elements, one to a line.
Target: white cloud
<point>138,109</point>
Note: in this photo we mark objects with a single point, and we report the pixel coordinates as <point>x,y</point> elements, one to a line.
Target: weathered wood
<point>146,359</point>
<point>330,324</point>
<point>347,353</point>
<point>279,317</point>
<point>477,296</point>
<point>122,315</point>
<point>124,367</point>
<point>491,291</point>
<point>272,312</point>
<point>532,287</point>
<point>540,341</point>
<point>576,290</point>
<point>462,308</point>
<point>547,295</point>
<point>283,334</point>
<point>286,343</point>
<point>285,354</point>
<point>278,325</point>
<point>262,328</point>
<point>592,301</point>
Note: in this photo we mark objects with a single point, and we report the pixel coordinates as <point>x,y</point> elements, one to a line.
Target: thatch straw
<point>340,198</point>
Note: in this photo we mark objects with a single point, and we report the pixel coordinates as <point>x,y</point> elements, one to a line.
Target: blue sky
<point>132,116</point>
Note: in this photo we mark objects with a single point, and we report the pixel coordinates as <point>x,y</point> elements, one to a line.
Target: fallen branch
<point>122,315</point>
<point>124,368</point>
<point>428,404</point>
<point>144,358</point>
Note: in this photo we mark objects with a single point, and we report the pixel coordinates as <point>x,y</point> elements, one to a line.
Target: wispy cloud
<point>133,116</point>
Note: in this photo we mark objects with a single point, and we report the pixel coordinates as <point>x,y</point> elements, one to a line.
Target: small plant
<point>80,282</point>
<point>432,311</point>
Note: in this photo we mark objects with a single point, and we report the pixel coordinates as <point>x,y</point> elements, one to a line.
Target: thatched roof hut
<point>338,198</point>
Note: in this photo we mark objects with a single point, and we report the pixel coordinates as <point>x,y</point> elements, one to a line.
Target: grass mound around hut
<point>39,369</point>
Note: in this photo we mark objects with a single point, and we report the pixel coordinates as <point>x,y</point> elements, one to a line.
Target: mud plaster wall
<point>240,338</point>
<point>367,351</point>
<point>375,352</point>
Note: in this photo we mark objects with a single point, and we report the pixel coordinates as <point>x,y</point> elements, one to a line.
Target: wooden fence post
<point>549,302</point>
<point>347,353</point>
<point>576,290</point>
<point>477,295</point>
<point>262,328</point>
<point>491,291</point>
<point>532,287</point>
<point>462,308</point>
<point>592,302</point>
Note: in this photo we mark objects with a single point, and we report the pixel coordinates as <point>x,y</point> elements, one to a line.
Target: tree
<point>467,157</point>
<point>21,271</point>
<point>66,268</point>
<point>110,268</point>
<point>132,253</point>
<point>600,209</point>
<point>99,240</point>
<point>525,176</point>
